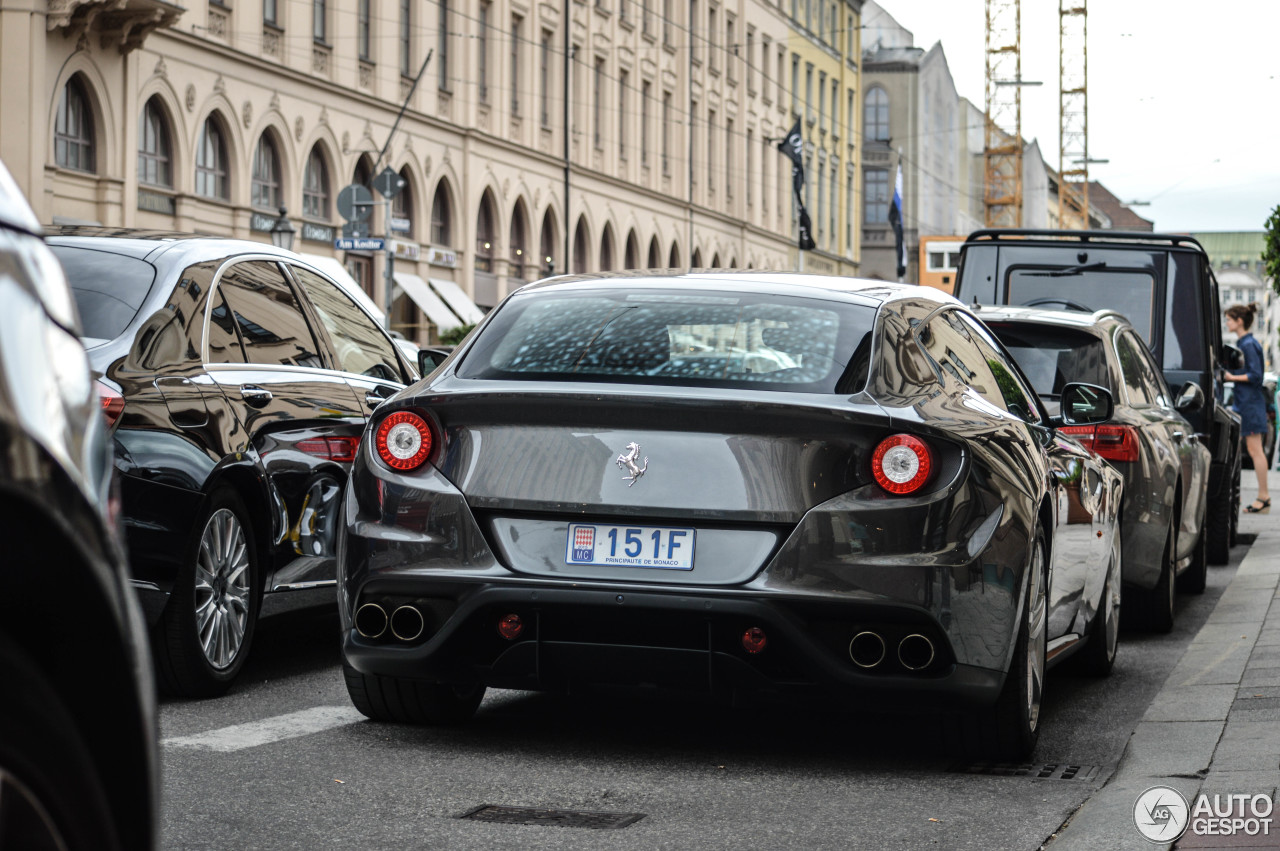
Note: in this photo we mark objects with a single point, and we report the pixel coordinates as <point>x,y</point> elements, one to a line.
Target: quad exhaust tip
<point>867,649</point>
<point>371,620</point>
<point>407,623</point>
<point>915,652</point>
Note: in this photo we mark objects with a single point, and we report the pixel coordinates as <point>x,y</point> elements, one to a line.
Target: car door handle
<point>254,396</point>
<point>374,399</point>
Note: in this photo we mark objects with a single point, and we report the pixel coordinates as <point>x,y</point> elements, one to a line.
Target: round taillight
<point>510,627</point>
<point>901,463</point>
<point>754,640</point>
<point>404,440</point>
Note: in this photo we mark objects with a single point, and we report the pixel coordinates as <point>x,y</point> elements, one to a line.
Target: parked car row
<point>723,481</point>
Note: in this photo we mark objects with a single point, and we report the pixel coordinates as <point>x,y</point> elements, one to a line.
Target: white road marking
<point>276,729</point>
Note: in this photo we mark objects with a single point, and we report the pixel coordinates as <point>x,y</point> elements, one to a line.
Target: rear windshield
<point>1130,292</point>
<point>719,339</point>
<point>1050,357</point>
<point>109,289</point>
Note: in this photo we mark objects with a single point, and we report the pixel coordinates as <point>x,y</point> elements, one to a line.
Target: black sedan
<point>237,380</point>
<point>729,482</point>
<point>1166,469</point>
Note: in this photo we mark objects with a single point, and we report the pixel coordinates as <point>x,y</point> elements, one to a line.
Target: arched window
<point>733,264</point>
<point>441,217</point>
<point>516,243</point>
<point>73,130</point>
<point>655,254</point>
<point>632,257</point>
<point>211,162</point>
<point>265,186</point>
<point>363,174</point>
<point>875,115</point>
<point>580,246</point>
<point>673,259</point>
<point>547,245</point>
<point>715,261</point>
<point>402,206</point>
<point>315,186</point>
<point>606,249</point>
<point>484,235</point>
<point>697,259</point>
<point>155,166</point>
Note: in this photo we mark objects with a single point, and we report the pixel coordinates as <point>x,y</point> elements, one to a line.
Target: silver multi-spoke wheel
<point>1037,619</point>
<point>222,588</point>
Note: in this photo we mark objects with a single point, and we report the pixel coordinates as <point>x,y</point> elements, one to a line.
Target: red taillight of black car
<point>1113,442</point>
<point>404,441</point>
<point>901,464</point>
<point>112,402</point>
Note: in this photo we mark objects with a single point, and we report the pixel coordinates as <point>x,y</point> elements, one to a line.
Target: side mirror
<point>1232,358</point>
<point>428,360</point>
<point>1086,404</point>
<point>1190,398</point>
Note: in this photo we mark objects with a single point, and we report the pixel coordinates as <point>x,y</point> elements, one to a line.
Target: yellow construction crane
<point>1002,150</point>
<point>1073,115</point>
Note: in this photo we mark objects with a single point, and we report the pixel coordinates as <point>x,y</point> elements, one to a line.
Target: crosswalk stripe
<point>275,729</point>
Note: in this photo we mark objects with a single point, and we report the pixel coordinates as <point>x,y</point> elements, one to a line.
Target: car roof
<point>1064,318</point>
<point>860,290</point>
<point>1073,238</point>
<point>151,244</point>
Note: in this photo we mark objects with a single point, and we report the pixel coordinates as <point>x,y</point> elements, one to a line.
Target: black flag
<point>895,219</point>
<point>793,146</point>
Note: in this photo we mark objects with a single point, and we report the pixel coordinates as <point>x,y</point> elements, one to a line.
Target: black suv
<point>236,379</point>
<point>1165,286</point>
<point>78,764</point>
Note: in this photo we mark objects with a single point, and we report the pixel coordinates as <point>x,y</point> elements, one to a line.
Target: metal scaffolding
<point>1073,115</point>
<point>1002,149</point>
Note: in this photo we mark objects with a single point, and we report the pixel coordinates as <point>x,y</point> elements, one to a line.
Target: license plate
<point>630,546</point>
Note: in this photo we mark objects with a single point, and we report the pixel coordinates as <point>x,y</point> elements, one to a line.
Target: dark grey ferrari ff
<point>729,482</point>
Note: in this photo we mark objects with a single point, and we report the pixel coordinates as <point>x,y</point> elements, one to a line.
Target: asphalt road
<point>285,762</point>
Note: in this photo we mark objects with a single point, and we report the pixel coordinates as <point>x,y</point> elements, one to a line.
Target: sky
<point>1184,98</point>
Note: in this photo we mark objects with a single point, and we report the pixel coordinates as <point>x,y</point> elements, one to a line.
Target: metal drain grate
<point>1044,771</point>
<point>557,818</point>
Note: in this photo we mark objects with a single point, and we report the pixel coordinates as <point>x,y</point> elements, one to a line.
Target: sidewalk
<point>1214,727</point>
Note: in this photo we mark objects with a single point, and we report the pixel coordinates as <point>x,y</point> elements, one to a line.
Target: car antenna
<point>976,306</point>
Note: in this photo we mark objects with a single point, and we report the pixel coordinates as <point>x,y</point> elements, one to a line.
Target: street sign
<point>388,183</point>
<point>355,202</point>
<point>359,244</point>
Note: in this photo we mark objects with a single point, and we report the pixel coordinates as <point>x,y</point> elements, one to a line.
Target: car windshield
<point>720,339</point>
<point>1051,357</point>
<point>1130,292</point>
<point>109,289</point>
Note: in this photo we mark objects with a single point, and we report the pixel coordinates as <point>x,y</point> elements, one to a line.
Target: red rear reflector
<point>754,640</point>
<point>510,627</point>
<point>901,464</point>
<point>404,440</point>
<point>112,402</point>
<point>1113,442</point>
<point>341,449</point>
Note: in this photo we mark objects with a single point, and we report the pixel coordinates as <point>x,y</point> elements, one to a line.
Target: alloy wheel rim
<point>222,589</point>
<point>1036,625</point>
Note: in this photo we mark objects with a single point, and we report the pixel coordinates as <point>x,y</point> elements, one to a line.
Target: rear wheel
<point>406,701</point>
<point>1008,731</point>
<point>204,635</point>
<point>1217,526</point>
<point>51,794</point>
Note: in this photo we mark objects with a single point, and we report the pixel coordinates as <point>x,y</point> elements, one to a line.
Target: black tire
<point>1196,576</point>
<point>51,793</point>
<point>1154,609</point>
<point>1217,528</point>
<point>1098,656</point>
<point>1234,537</point>
<point>1008,731</point>
<point>405,701</point>
<point>187,667</point>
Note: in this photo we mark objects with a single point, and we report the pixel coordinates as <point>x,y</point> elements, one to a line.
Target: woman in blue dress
<point>1248,399</point>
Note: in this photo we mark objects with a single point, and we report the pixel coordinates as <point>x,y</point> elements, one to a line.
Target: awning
<point>458,300</point>
<point>422,295</point>
<point>332,267</point>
